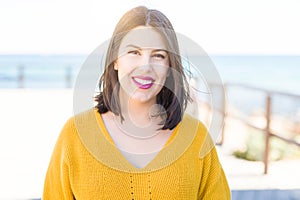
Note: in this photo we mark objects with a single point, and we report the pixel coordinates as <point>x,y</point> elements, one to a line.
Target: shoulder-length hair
<point>174,95</point>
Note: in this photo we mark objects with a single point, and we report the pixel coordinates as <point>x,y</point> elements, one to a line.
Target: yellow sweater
<point>87,165</point>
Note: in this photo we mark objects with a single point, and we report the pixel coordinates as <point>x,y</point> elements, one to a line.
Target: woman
<point>137,143</point>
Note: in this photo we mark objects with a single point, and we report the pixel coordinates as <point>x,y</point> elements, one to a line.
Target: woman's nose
<point>145,60</point>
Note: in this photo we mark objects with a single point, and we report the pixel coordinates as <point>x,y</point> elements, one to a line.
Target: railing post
<point>21,76</point>
<point>267,133</point>
<point>224,112</point>
<point>68,77</point>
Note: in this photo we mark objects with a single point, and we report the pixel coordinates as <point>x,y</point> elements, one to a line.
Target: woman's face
<point>142,64</point>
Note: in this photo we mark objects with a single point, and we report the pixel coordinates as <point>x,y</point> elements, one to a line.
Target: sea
<point>279,73</point>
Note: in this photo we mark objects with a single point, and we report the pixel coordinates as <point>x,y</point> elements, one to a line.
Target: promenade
<point>247,179</point>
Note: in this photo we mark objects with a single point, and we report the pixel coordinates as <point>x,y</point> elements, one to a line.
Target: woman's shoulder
<point>74,127</point>
<point>191,122</point>
<point>76,121</point>
<point>202,137</point>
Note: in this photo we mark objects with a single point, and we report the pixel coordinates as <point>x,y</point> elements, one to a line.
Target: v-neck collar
<point>109,138</point>
<point>97,141</point>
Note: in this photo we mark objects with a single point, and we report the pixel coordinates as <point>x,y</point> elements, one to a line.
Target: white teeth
<point>142,81</point>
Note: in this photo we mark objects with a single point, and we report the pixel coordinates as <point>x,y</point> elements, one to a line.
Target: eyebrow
<point>140,48</point>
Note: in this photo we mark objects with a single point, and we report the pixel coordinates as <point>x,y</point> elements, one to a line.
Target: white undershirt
<point>139,160</point>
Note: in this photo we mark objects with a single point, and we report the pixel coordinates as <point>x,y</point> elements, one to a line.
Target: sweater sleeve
<point>57,181</point>
<point>213,185</point>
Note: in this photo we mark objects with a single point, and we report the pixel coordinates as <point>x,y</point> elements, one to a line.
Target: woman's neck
<point>136,110</point>
<point>140,113</point>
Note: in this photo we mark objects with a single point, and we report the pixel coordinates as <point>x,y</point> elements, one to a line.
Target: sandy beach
<point>31,121</point>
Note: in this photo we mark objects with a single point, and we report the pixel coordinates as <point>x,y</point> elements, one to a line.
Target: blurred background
<point>253,44</point>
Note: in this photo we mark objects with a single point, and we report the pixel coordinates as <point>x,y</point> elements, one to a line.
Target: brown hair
<point>174,95</point>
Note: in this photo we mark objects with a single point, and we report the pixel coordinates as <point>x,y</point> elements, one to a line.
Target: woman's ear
<point>116,66</point>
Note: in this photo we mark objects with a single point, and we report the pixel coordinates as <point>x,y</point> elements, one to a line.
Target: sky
<point>218,26</point>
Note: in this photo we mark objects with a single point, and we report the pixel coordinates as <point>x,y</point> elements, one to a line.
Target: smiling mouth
<point>143,82</point>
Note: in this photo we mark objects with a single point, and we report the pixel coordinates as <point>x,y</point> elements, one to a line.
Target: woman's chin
<point>143,98</point>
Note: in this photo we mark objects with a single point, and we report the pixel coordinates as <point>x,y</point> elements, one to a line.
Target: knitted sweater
<point>87,165</point>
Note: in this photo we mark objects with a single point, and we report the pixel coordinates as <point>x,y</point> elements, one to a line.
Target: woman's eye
<point>134,52</point>
<point>159,56</point>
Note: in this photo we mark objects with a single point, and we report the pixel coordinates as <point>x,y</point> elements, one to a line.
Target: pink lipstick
<point>143,82</point>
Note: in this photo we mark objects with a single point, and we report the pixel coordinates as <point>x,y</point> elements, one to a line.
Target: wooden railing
<point>269,133</point>
<point>21,78</point>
